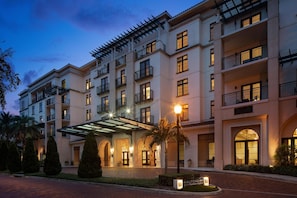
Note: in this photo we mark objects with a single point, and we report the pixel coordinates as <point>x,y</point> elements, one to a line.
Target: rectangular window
<point>40,107</point>
<point>251,54</point>
<point>182,40</point>
<point>212,109</point>
<point>125,158</point>
<point>151,47</point>
<point>145,115</point>
<point>182,87</point>
<point>145,68</point>
<point>88,114</point>
<point>63,84</point>
<point>185,112</point>
<point>251,20</point>
<point>212,82</point>
<point>212,57</point>
<point>33,110</point>
<point>145,91</point>
<point>88,99</point>
<point>123,77</point>
<point>182,64</point>
<point>88,84</point>
<point>104,103</point>
<point>123,98</point>
<point>211,31</point>
<point>251,92</point>
<point>145,157</point>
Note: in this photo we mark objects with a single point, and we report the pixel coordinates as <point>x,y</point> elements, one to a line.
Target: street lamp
<point>177,111</point>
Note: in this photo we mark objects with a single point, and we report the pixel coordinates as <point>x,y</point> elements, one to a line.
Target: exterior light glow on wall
<point>177,111</point>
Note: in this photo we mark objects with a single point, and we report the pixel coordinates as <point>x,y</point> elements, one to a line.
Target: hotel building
<point>230,64</point>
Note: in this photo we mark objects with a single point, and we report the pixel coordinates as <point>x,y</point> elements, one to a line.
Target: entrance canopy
<point>106,127</point>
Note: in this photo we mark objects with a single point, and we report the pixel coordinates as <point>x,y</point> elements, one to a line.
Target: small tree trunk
<point>166,156</point>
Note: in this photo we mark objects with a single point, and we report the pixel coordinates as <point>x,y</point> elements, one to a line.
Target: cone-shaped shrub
<point>90,164</point>
<point>3,155</point>
<point>52,165</point>
<point>13,159</point>
<point>30,159</point>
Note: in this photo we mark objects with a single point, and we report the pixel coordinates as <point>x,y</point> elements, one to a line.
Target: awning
<point>106,127</point>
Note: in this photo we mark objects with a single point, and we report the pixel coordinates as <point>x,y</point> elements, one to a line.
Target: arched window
<point>292,143</point>
<point>246,146</point>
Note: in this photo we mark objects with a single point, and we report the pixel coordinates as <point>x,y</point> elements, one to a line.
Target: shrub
<point>52,164</point>
<point>3,155</point>
<point>90,164</point>
<point>13,159</point>
<point>30,159</point>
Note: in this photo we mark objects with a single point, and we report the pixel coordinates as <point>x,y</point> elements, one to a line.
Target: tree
<point>90,165</point>
<point>9,80</point>
<point>285,155</point>
<point>7,128</point>
<point>52,164</point>
<point>30,159</point>
<point>13,159</point>
<point>162,133</point>
<point>3,155</point>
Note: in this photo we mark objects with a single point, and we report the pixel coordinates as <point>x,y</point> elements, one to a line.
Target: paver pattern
<point>232,185</point>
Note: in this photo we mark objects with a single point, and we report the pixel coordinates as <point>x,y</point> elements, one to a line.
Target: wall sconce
<point>158,147</point>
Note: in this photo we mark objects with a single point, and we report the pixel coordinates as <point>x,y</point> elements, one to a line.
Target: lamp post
<point>177,111</point>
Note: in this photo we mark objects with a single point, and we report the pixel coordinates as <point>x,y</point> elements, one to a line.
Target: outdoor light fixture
<point>110,115</point>
<point>131,149</point>
<point>111,151</point>
<point>128,110</point>
<point>177,111</point>
<point>206,181</point>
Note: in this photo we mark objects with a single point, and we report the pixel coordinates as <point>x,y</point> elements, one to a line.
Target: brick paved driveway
<point>233,185</point>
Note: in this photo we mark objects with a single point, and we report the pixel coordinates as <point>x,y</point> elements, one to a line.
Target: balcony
<point>103,89</point>
<point>50,118</point>
<point>144,97</point>
<point>238,96</point>
<point>50,101</point>
<point>102,108</point>
<point>120,61</point>
<point>235,59</point>
<point>121,81</point>
<point>288,89</point>
<point>121,102</point>
<point>143,73</point>
<point>146,120</point>
<point>144,52</point>
<point>65,102</point>
<point>102,71</point>
<point>66,117</point>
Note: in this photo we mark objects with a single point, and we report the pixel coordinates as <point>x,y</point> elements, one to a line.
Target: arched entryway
<point>104,153</point>
<point>246,147</point>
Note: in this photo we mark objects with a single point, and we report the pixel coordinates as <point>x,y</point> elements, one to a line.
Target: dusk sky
<point>48,34</point>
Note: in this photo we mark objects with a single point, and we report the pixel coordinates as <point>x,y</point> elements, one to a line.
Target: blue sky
<point>48,34</point>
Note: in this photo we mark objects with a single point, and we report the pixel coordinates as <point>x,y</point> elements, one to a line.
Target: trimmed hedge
<point>281,170</point>
<point>52,164</point>
<point>30,159</point>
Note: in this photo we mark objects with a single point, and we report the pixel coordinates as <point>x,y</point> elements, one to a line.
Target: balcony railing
<point>102,108</point>
<point>146,120</point>
<point>120,61</point>
<point>102,71</point>
<point>235,59</point>
<point>121,102</point>
<point>143,52</point>
<point>143,73</point>
<point>66,117</point>
<point>237,97</point>
<point>50,117</point>
<point>144,97</point>
<point>288,89</point>
<point>66,101</point>
<point>121,81</point>
<point>103,89</point>
<point>50,101</point>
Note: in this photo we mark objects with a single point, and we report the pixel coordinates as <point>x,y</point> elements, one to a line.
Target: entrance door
<point>76,155</point>
<point>246,147</point>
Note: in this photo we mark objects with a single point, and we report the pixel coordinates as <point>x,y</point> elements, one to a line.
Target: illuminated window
<point>123,98</point>
<point>182,64</point>
<point>182,40</point>
<point>251,20</point>
<point>63,84</point>
<point>145,115</point>
<point>145,157</point>
<point>88,99</point>
<point>88,114</point>
<point>185,112</point>
<point>151,47</point>
<point>88,84</point>
<point>212,82</point>
<point>251,54</point>
<point>145,92</point>
<point>182,87</point>
<point>251,92</point>
<point>212,57</point>
<point>125,158</point>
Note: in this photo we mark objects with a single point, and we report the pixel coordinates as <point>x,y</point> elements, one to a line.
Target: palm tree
<point>162,133</point>
<point>26,127</point>
<point>6,128</point>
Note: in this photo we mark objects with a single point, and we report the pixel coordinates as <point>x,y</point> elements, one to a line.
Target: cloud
<point>28,76</point>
